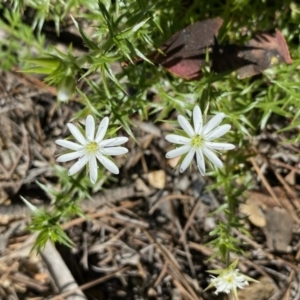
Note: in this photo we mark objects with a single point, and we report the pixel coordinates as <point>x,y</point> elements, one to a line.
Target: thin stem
<point>230,216</point>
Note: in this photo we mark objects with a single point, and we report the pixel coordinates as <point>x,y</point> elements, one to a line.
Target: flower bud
<point>66,89</point>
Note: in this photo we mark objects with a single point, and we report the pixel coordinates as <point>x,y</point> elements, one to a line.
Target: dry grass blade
<point>173,266</point>
<point>270,190</point>
<point>90,284</point>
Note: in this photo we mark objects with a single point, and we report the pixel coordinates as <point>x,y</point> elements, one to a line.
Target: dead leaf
<point>279,229</point>
<point>262,52</point>
<point>141,186</point>
<point>263,211</point>
<point>253,210</point>
<point>173,162</point>
<point>262,290</point>
<point>157,179</point>
<point>184,54</point>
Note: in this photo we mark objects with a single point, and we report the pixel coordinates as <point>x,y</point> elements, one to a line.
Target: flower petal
<point>102,130</point>
<point>69,156</point>
<point>217,132</point>
<point>114,151</point>
<point>212,123</point>
<point>219,146</point>
<point>177,139</point>
<point>186,126</point>
<point>113,142</point>
<point>197,119</point>
<point>63,94</point>
<point>178,151</point>
<point>200,162</point>
<point>69,144</point>
<point>93,169</point>
<point>90,128</point>
<point>187,160</point>
<point>78,165</point>
<point>212,157</point>
<point>228,282</point>
<point>76,133</point>
<point>108,164</point>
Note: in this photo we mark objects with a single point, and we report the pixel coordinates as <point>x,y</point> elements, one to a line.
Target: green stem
<point>231,207</point>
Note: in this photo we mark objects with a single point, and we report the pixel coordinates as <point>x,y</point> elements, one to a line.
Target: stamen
<point>91,147</point>
<point>197,141</point>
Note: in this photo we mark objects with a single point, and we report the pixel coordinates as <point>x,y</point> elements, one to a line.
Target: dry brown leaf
<point>184,54</point>
<point>279,229</point>
<point>157,179</point>
<point>141,186</point>
<point>262,199</point>
<point>262,290</point>
<point>253,210</point>
<point>263,211</point>
<point>173,162</point>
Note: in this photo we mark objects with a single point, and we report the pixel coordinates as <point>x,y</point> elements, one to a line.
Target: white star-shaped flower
<point>228,281</point>
<point>91,147</point>
<point>199,140</point>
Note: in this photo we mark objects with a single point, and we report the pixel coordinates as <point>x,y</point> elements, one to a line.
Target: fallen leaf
<point>253,210</point>
<point>262,290</point>
<point>279,229</point>
<point>262,52</point>
<point>173,162</point>
<point>264,211</point>
<point>141,186</point>
<point>157,179</point>
<point>184,54</point>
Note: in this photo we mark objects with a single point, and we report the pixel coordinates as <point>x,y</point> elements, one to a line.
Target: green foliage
<point>18,38</point>
<point>48,228</point>
<point>65,204</point>
<point>116,32</point>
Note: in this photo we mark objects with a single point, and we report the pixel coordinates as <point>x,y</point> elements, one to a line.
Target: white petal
<point>219,131</point>
<point>69,144</point>
<point>93,169</point>
<point>114,151</point>
<point>241,285</point>
<point>186,126</point>
<point>113,142</point>
<point>77,134</point>
<point>102,130</point>
<point>69,156</point>
<point>178,151</point>
<point>108,164</point>
<point>187,160</point>
<point>219,146</point>
<point>200,162</point>
<point>212,157</point>
<point>197,119</point>
<point>90,128</point>
<point>63,94</point>
<point>78,165</point>
<point>212,123</point>
<point>177,139</point>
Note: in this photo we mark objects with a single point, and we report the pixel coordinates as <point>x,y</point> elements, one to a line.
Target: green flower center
<point>229,278</point>
<point>92,147</point>
<point>197,141</point>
